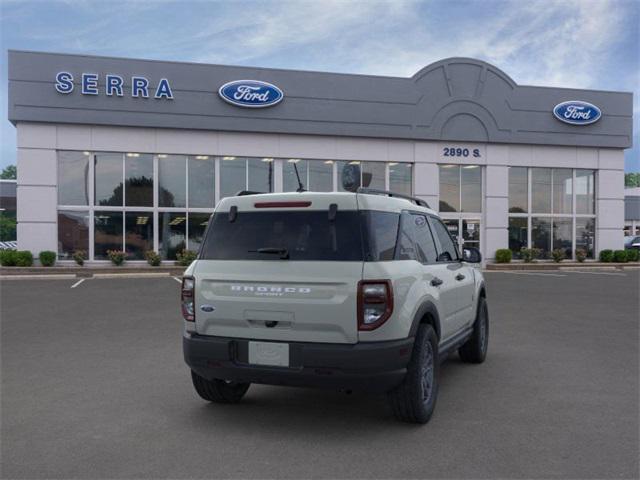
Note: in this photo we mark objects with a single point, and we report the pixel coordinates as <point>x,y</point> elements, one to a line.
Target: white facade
<point>37,170</point>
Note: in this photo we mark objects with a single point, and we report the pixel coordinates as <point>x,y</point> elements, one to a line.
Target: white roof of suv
<point>321,201</point>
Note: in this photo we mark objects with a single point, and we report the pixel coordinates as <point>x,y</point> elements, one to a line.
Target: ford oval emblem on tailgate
<point>207,308</point>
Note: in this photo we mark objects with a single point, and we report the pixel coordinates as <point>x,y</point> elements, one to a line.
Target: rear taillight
<point>375,303</point>
<point>187,298</point>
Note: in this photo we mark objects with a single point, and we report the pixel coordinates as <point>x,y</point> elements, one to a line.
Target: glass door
<point>465,231</point>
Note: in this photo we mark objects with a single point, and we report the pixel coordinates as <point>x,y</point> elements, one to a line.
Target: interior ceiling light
<point>202,157</point>
<point>228,158</point>
<point>393,164</point>
<point>329,162</point>
<point>470,166</point>
<point>86,153</point>
<point>267,159</point>
<point>133,154</point>
<point>293,160</point>
<point>162,155</point>
<point>355,162</point>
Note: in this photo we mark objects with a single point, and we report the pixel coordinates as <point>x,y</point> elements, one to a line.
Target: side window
<point>448,250</point>
<point>406,249</point>
<point>424,239</point>
<point>415,241</point>
<point>380,233</point>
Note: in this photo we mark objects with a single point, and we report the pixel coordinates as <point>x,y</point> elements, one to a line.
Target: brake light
<point>187,296</point>
<point>375,303</point>
<point>281,204</point>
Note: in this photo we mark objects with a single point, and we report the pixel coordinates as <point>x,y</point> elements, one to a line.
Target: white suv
<point>351,291</point>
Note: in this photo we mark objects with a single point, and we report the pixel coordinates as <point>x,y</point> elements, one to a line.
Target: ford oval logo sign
<point>251,93</point>
<point>577,112</point>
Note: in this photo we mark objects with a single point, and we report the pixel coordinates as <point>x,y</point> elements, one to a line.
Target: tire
<point>475,349</point>
<point>219,391</point>
<point>414,400</point>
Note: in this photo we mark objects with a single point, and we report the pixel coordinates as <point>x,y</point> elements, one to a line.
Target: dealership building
<point>133,155</point>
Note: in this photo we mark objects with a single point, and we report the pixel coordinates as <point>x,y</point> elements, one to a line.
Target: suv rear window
<point>304,235</point>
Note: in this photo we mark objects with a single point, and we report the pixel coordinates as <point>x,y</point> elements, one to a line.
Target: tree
<point>9,172</point>
<point>632,180</point>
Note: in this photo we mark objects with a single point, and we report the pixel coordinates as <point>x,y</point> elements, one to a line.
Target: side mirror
<point>350,177</point>
<point>471,255</point>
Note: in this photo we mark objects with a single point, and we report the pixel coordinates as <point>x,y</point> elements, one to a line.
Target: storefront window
<point>108,179</point>
<point>202,179</point>
<point>449,188</point>
<point>260,174</point>
<point>585,235</point>
<point>172,231</point>
<point>518,190</point>
<point>541,235</point>
<point>233,176</point>
<point>541,190</point>
<point>73,233</point>
<point>107,233</point>
<point>172,191</point>
<point>562,190</point>
<point>471,191</point>
<point>289,177</point>
<point>73,178</point>
<point>400,177</point>
<point>138,173</point>
<point>320,175</point>
<point>197,224</point>
<point>517,235</point>
<point>373,175</point>
<point>138,234</point>
<point>585,192</point>
<point>562,235</point>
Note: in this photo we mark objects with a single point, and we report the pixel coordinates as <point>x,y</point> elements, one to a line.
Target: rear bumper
<point>375,366</point>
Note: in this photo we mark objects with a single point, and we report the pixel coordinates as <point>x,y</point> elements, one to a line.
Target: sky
<point>564,43</point>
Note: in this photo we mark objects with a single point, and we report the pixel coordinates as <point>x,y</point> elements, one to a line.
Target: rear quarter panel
<point>410,282</point>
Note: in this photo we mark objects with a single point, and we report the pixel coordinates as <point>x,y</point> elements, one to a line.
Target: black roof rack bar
<point>243,193</point>
<point>374,191</point>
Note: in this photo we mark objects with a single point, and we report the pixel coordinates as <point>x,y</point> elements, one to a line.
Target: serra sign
<point>113,85</point>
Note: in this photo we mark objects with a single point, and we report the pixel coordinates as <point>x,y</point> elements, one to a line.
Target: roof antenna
<point>300,186</point>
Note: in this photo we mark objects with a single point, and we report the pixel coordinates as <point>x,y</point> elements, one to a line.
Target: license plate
<point>269,353</point>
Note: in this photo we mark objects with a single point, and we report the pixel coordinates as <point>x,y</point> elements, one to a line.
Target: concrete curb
<point>89,272</point>
<point>560,266</point>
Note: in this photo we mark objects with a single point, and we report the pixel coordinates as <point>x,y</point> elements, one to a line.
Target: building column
<point>610,200</point>
<point>36,194</point>
<point>496,209</point>
<point>426,176</point>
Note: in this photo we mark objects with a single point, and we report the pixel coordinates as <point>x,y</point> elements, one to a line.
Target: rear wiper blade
<point>283,252</point>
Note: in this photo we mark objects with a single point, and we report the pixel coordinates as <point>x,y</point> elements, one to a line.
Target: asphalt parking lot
<point>94,386</point>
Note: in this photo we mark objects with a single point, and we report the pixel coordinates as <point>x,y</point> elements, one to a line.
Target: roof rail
<point>243,193</point>
<point>374,191</point>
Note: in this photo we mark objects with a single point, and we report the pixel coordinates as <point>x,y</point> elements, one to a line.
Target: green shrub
<point>153,258</point>
<point>503,255</point>
<point>24,258</point>
<point>633,255</point>
<point>185,257</point>
<point>526,254</point>
<point>581,254</point>
<point>606,255</point>
<point>620,256</point>
<point>47,258</point>
<point>8,258</point>
<point>558,255</point>
<point>80,256</point>
<point>117,257</point>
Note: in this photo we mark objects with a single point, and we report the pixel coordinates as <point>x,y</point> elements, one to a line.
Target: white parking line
<point>78,283</point>
<point>177,280</point>
<point>598,273</point>
<point>530,273</point>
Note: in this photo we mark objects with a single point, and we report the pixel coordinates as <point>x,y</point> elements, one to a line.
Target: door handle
<point>460,277</point>
<point>436,282</point>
